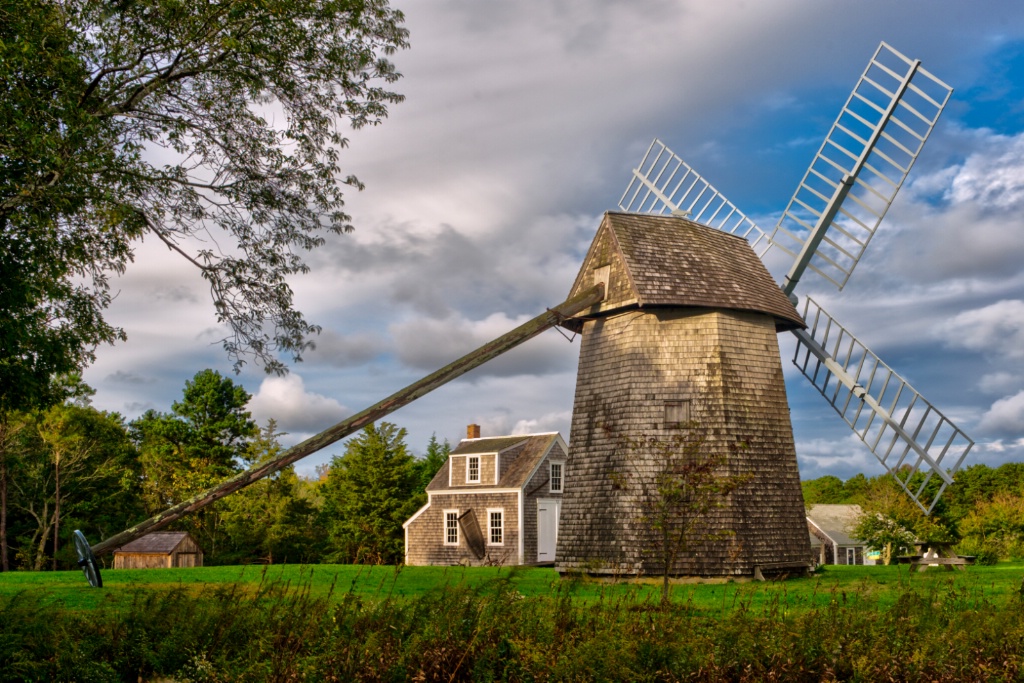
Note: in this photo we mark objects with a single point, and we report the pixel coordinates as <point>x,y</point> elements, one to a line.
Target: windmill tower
<point>689,322</point>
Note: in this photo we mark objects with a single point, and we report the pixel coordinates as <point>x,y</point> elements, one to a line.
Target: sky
<point>521,126</point>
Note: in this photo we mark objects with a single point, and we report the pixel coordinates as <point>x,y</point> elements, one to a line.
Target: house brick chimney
<point>473,432</point>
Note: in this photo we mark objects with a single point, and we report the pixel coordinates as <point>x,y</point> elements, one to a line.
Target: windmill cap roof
<point>672,261</point>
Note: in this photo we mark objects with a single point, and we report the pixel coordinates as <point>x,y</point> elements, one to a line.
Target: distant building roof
<point>519,456</point>
<point>837,522</point>
<point>672,261</point>
<point>155,543</point>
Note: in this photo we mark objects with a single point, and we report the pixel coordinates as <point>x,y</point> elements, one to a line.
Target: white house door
<point>851,556</point>
<point>548,511</point>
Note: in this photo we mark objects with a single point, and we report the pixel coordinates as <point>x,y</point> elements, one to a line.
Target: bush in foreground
<point>276,632</point>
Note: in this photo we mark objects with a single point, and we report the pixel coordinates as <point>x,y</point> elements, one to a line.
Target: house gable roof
<point>155,543</point>
<point>672,261</point>
<point>520,457</point>
<point>495,444</point>
<point>837,522</point>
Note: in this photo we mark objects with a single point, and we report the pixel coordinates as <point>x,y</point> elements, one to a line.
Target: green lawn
<point>878,586</point>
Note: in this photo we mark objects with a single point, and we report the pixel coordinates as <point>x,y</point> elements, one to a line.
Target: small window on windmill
<point>602,275</point>
<point>677,414</point>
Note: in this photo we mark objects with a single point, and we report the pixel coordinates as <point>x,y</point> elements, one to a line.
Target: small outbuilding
<point>160,549</point>
<point>832,540</point>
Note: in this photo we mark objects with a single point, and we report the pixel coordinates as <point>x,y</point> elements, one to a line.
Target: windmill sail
<point>664,183</point>
<point>905,432</point>
<point>861,166</point>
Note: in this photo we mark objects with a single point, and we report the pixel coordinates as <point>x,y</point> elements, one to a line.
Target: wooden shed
<point>160,549</point>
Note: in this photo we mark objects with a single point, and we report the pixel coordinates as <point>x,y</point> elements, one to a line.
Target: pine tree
<point>370,491</point>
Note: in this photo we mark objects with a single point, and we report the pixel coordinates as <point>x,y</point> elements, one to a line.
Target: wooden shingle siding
<point>522,478</point>
<point>488,463</point>
<point>728,363</point>
<point>425,534</point>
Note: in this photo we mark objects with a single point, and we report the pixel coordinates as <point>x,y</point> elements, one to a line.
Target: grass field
<point>336,622</point>
<point>877,585</point>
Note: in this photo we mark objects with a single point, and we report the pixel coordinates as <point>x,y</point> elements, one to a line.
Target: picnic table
<point>938,554</point>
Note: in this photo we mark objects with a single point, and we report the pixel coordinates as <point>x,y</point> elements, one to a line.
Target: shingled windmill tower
<point>687,332</point>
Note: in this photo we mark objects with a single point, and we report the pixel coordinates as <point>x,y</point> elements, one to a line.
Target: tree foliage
<point>197,124</point>
<point>272,520</point>
<point>981,510</point>
<point>369,492</point>
<point>203,440</point>
<point>73,467</point>
<point>886,534</point>
<point>432,461</point>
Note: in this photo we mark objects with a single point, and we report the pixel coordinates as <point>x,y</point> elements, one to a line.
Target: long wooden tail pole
<point>492,349</point>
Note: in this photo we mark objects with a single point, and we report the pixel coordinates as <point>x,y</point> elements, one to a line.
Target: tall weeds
<point>279,632</point>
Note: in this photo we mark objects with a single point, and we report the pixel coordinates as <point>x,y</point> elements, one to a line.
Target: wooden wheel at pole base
<point>87,561</point>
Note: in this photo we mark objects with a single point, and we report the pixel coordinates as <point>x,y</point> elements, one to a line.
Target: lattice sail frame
<point>903,430</point>
<point>664,183</point>
<point>862,163</point>
<point>826,227</point>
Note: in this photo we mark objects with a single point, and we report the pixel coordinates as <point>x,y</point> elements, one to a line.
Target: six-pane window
<point>556,477</point>
<point>497,527</point>
<point>451,527</point>
<point>473,468</point>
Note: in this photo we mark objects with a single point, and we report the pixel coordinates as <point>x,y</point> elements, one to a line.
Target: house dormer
<point>480,461</point>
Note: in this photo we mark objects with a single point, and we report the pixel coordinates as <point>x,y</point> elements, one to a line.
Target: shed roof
<point>519,456</point>
<point>672,261</point>
<point>155,543</point>
<point>838,521</point>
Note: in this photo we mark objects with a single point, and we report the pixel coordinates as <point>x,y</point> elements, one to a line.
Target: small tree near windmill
<point>675,483</point>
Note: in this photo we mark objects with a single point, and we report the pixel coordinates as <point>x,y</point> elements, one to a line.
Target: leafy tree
<point>271,520</point>
<point>886,534</point>
<point>12,448</point>
<point>78,465</point>
<point>204,439</point>
<point>433,460</point>
<point>995,527</point>
<point>193,123</point>
<point>678,481</point>
<point>369,492</point>
<point>827,490</point>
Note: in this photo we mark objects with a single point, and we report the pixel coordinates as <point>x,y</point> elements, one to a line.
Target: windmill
<point>826,227</point>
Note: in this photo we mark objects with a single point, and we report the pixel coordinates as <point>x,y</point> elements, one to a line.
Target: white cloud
<point>843,458</point>
<point>1005,417</point>
<point>1000,382</point>
<point>996,329</point>
<point>296,410</point>
<point>994,178</point>
<point>552,422</point>
<point>429,344</point>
